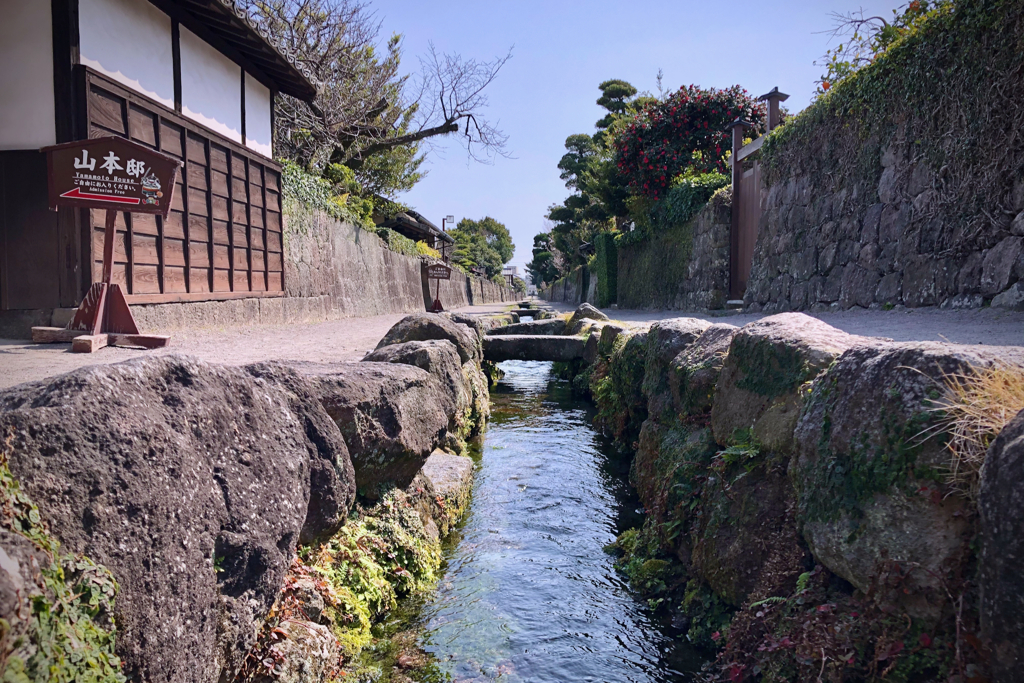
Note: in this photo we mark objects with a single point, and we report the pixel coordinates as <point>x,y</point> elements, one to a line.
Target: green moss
<point>606,268</point>
<point>372,561</point>
<point>769,369</point>
<point>69,634</point>
<point>838,483</point>
<point>617,392</point>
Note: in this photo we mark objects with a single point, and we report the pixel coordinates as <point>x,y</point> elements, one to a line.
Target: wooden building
<point>195,79</point>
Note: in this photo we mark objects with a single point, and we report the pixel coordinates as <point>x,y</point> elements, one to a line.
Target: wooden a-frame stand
<point>103,318</point>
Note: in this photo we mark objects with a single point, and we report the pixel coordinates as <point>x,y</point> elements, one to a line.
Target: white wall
<point>130,41</point>
<point>257,117</point>
<point>211,87</point>
<point>26,80</point>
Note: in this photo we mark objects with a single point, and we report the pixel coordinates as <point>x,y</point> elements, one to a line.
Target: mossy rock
<point>872,463</point>
<point>666,340</point>
<point>694,372</point>
<point>767,363</point>
<point>621,404</point>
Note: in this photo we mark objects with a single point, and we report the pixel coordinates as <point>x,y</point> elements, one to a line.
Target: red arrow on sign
<point>78,194</point>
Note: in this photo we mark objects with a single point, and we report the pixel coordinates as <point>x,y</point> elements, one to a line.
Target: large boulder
<point>465,383</point>
<point>768,360</point>
<point>553,326</point>
<point>439,357</point>
<point>584,312</point>
<point>870,467</point>
<point>392,415</point>
<point>1001,502</point>
<point>427,326</point>
<point>694,372</point>
<point>190,482</point>
<point>666,340</point>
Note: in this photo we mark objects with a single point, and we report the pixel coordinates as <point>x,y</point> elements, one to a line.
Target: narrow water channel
<point>528,594</point>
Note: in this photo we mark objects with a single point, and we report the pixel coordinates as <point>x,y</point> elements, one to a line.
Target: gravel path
<point>977,326</point>
<point>333,341</point>
<point>351,338</point>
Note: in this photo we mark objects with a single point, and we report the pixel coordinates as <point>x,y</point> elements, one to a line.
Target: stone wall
<point>880,244</point>
<point>904,185</point>
<point>682,267</point>
<point>579,286</point>
<point>332,270</point>
<point>764,451</point>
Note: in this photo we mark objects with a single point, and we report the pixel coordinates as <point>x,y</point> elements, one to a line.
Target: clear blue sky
<point>547,91</point>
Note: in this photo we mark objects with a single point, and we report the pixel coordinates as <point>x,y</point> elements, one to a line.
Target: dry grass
<point>975,407</point>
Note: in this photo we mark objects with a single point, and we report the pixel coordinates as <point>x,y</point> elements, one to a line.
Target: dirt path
<point>978,326</point>
<point>337,340</point>
<point>350,339</point>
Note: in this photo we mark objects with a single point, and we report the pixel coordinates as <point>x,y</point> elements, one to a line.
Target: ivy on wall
<point>948,93</point>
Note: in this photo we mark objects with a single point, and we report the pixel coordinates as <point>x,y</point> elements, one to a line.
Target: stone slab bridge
<point>499,347</point>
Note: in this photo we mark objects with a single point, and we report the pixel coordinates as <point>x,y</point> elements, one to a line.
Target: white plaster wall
<point>257,117</point>
<point>211,87</point>
<point>130,41</point>
<point>26,79</point>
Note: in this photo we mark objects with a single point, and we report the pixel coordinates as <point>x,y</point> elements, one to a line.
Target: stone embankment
<point>194,485</point>
<point>803,516</point>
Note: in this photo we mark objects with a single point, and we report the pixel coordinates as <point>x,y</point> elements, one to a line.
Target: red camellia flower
<point>687,130</point>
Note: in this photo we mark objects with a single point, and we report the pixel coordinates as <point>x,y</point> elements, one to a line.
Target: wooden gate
<point>222,239</point>
<point>746,197</point>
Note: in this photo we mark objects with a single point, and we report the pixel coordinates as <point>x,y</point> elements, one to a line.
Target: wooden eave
<point>230,25</point>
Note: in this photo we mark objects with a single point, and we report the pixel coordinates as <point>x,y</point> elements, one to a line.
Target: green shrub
<point>319,193</point>
<point>687,196</point>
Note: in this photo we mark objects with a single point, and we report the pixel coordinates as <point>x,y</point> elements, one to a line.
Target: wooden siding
<point>222,238</point>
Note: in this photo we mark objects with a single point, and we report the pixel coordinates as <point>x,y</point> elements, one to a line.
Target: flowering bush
<point>685,131</point>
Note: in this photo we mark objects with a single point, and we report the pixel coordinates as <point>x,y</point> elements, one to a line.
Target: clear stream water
<point>528,594</point>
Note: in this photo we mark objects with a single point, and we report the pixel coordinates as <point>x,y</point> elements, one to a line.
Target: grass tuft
<point>974,408</point>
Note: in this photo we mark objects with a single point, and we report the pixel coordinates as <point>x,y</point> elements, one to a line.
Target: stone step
<point>532,347</point>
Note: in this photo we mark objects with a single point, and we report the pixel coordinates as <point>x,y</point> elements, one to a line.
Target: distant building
<point>417,228</point>
<point>194,79</point>
<point>510,273</point>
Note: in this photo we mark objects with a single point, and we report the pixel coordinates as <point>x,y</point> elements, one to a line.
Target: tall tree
<point>365,115</point>
<point>483,243</point>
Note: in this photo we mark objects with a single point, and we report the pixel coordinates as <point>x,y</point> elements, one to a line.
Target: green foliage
<point>483,243</point>
<point>320,194</point>
<point>709,615</point>
<point>370,563</point>
<point>543,269</point>
<point>688,195</point>
<point>605,268</point>
<point>397,242</point>
<point>685,132</point>
<point>68,637</point>
<point>868,37</point>
<point>423,250</point>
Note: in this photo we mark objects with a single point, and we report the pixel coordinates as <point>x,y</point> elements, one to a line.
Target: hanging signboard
<point>110,173</point>
<point>439,271</point>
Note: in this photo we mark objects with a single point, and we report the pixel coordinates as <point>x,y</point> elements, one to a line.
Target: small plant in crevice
<point>69,631</point>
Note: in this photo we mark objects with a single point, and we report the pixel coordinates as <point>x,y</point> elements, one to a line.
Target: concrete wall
<point>683,267</point>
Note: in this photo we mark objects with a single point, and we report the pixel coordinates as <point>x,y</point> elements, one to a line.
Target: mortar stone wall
<point>875,245</point>
<point>683,267</point>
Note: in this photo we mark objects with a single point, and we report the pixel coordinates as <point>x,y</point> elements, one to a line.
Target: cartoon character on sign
<point>151,190</point>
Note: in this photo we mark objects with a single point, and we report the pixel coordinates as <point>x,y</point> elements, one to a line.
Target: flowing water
<point>528,593</point>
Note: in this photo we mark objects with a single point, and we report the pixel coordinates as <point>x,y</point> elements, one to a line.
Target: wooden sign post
<point>113,174</point>
<point>438,272</point>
